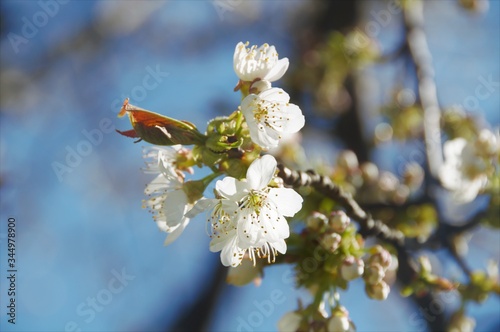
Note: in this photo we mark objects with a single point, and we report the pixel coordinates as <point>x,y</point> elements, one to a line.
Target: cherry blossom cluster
<point>247,215</point>
<point>468,164</point>
<point>249,210</point>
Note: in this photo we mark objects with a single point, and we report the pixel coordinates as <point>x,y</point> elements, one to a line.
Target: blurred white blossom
<point>464,171</point>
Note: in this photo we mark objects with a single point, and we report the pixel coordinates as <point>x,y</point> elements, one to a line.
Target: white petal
<point>177,232</point>
<point>260,134</point>
<point>249,103</point>
<point>248,228</point>
<point>288,201</point>
<point>274,226</point>
<point>275,95</point>
<point>222,240</point>
<point>231,188</point>
<point>175,207</point>
<point>295,118</point>
<point>261,171</point>
<point>231,254</point>
<point>202,205</point>
<point>280,246</point>
<point>160,183</point>
<point>277,71</point>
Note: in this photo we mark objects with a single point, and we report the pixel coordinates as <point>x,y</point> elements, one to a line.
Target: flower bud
<point>378,291</point>
<point>352,268</point>
<point>374,273</point>
<point>339,321</point>
<point>380,256</point>
<point>290,322</point>
<point>316,221</point>
<point>331,241</point>
<point>338,221</point>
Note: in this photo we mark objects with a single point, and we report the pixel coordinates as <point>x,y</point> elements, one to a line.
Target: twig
<point>419,51</point>
<point>367,225</point>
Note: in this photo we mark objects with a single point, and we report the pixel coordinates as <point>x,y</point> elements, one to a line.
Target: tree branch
<point>421,56</point>
<point>407,269</point>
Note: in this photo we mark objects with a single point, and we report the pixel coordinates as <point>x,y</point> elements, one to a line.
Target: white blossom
<point>258,63</point>
<point>269,116</point>
<point>248,217</point>
<point>167,200</point>
<point>463,172</point>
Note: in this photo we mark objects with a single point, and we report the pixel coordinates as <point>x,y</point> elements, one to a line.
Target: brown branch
<point>368,226</point>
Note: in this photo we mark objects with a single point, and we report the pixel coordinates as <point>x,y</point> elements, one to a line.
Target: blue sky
<point>82,235</point>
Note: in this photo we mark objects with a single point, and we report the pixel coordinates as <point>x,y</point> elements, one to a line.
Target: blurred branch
<point>419,51</point>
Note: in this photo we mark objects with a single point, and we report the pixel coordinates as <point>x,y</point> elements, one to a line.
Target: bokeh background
<point>66,67</point>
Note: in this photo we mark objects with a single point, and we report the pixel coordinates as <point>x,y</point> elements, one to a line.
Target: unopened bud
<point>331,241</point>
<point>338,221</point>
<point>316,221</point>
<point>380,256</point>
<point>338,324</point>
<point>374,273</point>
<point>378,291</point>
<point>352,268</point>
<point>339,321</point>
